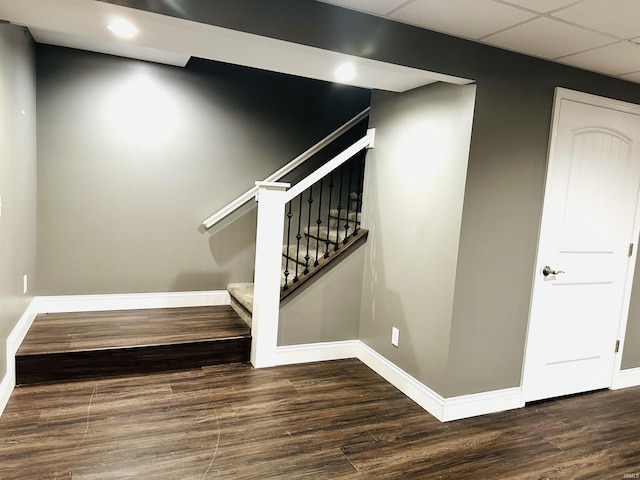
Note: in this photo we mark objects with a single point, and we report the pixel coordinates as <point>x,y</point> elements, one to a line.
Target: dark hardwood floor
<point>67,346</point>
<point>332,420</point>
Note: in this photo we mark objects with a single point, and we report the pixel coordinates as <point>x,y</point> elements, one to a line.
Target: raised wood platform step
<point>69,346</point>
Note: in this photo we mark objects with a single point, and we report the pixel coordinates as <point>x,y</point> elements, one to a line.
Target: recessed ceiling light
<point>345,72</point>
<point>122,28</point>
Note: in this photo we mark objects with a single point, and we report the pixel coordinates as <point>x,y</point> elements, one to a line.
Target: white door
<point>579,304</point>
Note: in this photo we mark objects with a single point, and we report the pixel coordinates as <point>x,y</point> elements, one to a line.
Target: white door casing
<point>589,219</point>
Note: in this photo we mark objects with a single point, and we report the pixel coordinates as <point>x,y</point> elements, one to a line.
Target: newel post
<point>268,266</point>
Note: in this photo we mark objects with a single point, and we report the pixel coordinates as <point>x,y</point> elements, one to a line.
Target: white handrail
<point>365,142</point>
<point>292,165</point>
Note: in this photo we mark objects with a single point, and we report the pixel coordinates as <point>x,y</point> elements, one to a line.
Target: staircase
<point>305,258</point>
<point>62,347</point>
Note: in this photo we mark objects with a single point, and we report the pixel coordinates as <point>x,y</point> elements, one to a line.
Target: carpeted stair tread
<point>324,234</point>
<point>242,293</point>
<point>342,215</point>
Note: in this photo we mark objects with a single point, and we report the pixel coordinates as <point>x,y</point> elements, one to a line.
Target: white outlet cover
<point>395,336</point>
<point>24,284</point>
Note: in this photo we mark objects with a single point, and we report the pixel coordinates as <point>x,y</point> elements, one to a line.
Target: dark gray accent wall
<point>17,177</point>
<point>506,171</point>
<point>132,156</point>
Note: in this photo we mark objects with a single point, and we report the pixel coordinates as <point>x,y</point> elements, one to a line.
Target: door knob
<point>546,271</point>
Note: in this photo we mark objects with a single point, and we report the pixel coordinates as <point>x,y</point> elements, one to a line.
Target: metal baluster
<point>318,223</point>
<point>286,266</point>
<point>346,225</point>
<point>307,257</point>
<point>337,247</point>
<point>298,237</point>
<point>327,241</point>
<point>359,195</point>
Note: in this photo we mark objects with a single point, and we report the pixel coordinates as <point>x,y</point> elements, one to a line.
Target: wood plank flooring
<point>64,346</point>
<point>331,420</point>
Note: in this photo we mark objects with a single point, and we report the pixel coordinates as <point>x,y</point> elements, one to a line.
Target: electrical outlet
<point>0,205</point>
<point>395,336</point>
<point>24,284</point>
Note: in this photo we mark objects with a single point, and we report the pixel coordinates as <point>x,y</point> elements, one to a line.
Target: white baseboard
<point>475,404</point>
<point>6,388</point>
<point>444,409</point>
<point>15,338</point>
<point>129,301</point>
<point>626,378</point>
<point>316,352</point>
<point>431,401</point>
<point>13,343</point>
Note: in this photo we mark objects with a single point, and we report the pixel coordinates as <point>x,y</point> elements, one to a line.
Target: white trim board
<point>444,409</point>
<point>316,352</point>
<point>13,343</point>
<point>6,388</point>
<point>129,301</point>
<point>94,303</point>
<point>626,378</point>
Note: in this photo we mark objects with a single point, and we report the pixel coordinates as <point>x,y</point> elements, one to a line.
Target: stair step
<point>298,257</point>
<point>324,234</point>
<point>338,219</point>
<point>353,215</point>
<point>242,293</point>
<point>72,346</point>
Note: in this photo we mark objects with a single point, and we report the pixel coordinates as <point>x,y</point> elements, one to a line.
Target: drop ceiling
<point>598,35</point>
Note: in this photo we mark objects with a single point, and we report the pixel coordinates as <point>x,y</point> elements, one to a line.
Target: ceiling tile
<point>464,18</point>
<point>615,17</point>
<point>546,38</point>
<point>616,59</point>
<point>379,7</point>
<point>542,6</point>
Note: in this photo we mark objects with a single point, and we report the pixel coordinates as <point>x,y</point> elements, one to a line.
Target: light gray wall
<point>414,192</point>
<point>328,308</point>
<point>132,156</point>
<point>17,177</point>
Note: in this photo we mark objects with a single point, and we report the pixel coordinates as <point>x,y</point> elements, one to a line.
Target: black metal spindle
<point>337,246</point>
<point>307,256</point>
<point>298,237</point>
<point>318,223</point>
<point>286,266</point>
<point>346,224</point>
<point>359,196</point>
<point>328,241</point>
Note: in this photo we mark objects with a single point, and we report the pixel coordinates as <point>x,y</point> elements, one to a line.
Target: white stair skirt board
<point>129,301</point>
<point>626,378</point>
<point>95,303</point>
<point>444,409</point>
